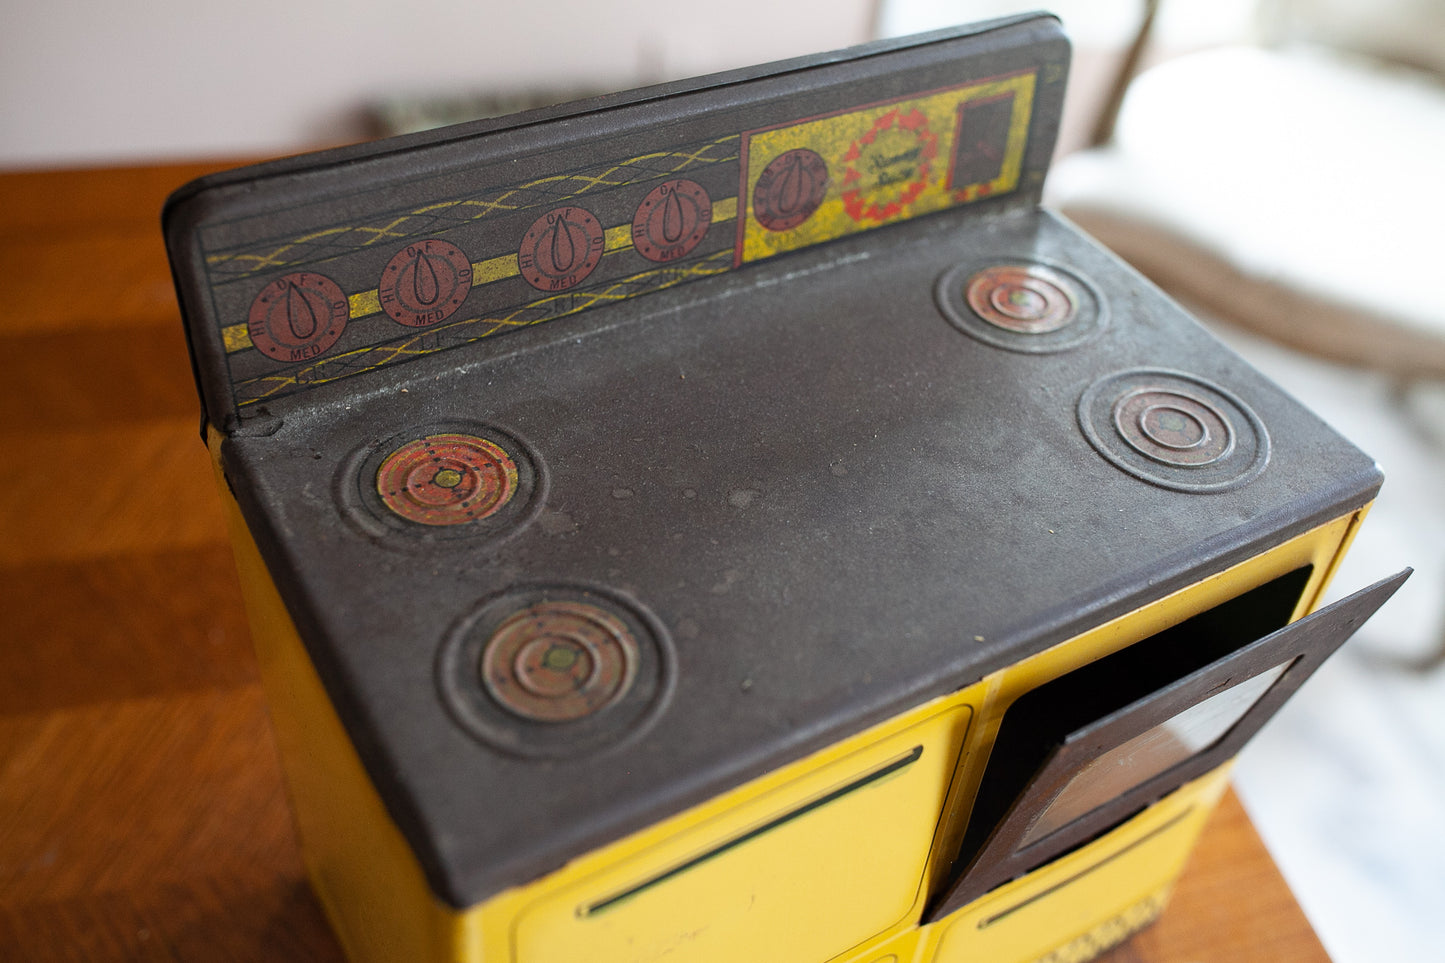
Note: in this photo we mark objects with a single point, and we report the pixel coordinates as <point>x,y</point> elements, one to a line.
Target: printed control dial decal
<point>561,248</point>
<point>425,283</point>
<point>559,661</point>
<point>671,220</point>
<point>447,479</point>
<point>297,317</point>
<point>790,189</point>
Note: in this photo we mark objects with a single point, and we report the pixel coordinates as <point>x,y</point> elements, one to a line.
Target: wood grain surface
<point>142,815</point>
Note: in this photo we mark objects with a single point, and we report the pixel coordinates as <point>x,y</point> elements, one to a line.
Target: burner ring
<point>1021,304</point>
<point>559,661</point>
<point>1173,427</point>
<point>1027,298</point>
<point>1174,430</point>
<point>555,670</point>
<point>447,479</point>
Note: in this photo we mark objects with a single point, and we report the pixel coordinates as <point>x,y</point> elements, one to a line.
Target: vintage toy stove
<point>732,521</point>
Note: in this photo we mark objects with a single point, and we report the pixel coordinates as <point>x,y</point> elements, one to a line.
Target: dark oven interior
<point>1045,719</point>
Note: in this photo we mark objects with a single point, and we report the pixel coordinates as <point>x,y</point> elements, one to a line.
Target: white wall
<point>1092,23</point>
<point>108,81</point>
<point>91,81</point>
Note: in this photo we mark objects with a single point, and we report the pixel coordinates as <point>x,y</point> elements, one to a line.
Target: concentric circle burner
<point>558,661</point>
<point>1029,299</point>
<point>1175,430</point>
<point>555,670</point>
<point>445,481</point>
<point>1021,304</point>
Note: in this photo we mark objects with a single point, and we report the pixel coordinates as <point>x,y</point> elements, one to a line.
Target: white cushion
<point>1403,31</point>
<point>1320,172</point>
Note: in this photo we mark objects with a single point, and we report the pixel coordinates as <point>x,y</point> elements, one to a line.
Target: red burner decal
<point>560,249</point>
<point>297,317</point>
<point>790,189</point>
<point>559,661</point>
<point>447,479</point>
<point>425,283</point>
<point>671,220</point>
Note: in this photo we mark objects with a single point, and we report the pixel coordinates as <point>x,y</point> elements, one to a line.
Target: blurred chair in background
<point>1295,189</point>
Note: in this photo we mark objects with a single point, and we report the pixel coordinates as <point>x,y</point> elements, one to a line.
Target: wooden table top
<point>142,815</point>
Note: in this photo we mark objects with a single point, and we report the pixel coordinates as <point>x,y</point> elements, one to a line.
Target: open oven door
<point>1097,773</point>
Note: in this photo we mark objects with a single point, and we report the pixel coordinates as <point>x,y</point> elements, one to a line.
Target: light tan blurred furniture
<point>1294,188</point>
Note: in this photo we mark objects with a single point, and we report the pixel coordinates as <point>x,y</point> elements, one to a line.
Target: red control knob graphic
<point>790,189</point>
<point>425,283</point>
<point>297,317</point>
<point>671,220</point>
<point>560,249</point>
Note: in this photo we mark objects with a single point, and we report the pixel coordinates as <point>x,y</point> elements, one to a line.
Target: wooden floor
<point>142,815</point>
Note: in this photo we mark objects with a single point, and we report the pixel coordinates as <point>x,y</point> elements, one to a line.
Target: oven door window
<point>1056,781</point>
<point>1149,754</point>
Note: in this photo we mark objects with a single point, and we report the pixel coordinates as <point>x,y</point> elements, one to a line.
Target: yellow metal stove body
<point>732,520</point>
